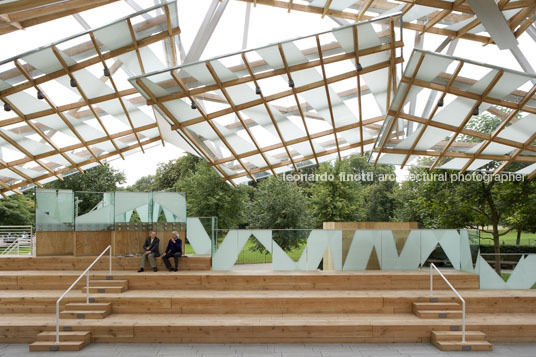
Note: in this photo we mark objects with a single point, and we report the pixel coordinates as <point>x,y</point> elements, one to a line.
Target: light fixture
<point>258,90</point>
<point>193,105</point>
<point>291,83</point>
<point>440,102</point>
<point>40,95</point>
<point>73,82</point>
<point>358,67</point>
<point>476,110</point>
<point>7,107</point>
<point>106,72</point>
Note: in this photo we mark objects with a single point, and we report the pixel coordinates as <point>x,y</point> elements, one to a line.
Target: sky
<point>227,38</point>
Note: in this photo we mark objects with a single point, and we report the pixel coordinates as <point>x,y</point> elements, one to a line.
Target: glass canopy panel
<point>70,120</point>
<point>225,89</point>
<point>458,132</point>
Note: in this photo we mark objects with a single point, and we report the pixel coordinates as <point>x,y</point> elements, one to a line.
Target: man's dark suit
<point>154,247</point>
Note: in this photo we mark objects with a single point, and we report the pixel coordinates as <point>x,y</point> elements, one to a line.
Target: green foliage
<point>96,179</point>
<point>207,195</point>
<point>336,200</point>
<point>278,204</point>
<point>90,185</point>
<point>144,184</point>
<point>17,210</point>
<point>168,174</point>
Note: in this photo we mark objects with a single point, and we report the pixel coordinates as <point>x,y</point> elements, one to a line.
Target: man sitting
<point>174,249</point>
<point>152,250</point>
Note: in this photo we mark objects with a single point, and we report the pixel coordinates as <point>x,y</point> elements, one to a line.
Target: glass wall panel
<point>54,210</point>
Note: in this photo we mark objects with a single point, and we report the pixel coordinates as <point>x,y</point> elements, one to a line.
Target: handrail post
<point>57,322</point>
<point>87,287</point>
<point>463,321</point>
<point>110,260</point>
<point>432,266</point>
<point>431,280</point>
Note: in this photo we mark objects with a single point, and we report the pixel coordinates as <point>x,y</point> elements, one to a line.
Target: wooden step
<point>457,336</point>
<point>105,289</point>
<point>439,314</point>
<point>435,306</point>
<point>98,306</point>
<point>45,346</point>
<point>65,336</point>
<point>468,346</point>
<point>108,282</point>
<point>84,314</point>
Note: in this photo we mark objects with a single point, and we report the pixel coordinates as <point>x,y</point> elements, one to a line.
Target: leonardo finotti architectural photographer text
<point>369,176</point>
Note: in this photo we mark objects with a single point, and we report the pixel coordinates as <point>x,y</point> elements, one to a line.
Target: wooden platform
<point>61,262</point>
<point>268,328</point>
<point>259,307</point>
<point>246,280</point>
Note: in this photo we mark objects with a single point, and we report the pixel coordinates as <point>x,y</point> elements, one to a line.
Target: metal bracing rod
<point>246,26</point>
<point>522,60</point>
<point>206,30</point>
<point>419,41</point>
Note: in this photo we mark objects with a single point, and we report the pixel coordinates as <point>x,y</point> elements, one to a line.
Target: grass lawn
<point>509,238</point>
<point>505,277</point>
<point>22,251</point>
<point>248,256</point>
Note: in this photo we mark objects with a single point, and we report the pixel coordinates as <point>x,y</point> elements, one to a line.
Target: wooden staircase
<point>108,285</point>
<point>77,340</point>
<point>452,341</point>
<point>445,308</point>
<point>69,341</point>
<point>86,311</point>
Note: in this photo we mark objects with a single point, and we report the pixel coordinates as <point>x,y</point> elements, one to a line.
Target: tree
<point>168,174</point>
<point>278,204</point>
<point>143,184</point>
<point>90,185</point>
<point>335,200</point>
<point>17,210</point>
<point>207,195</point>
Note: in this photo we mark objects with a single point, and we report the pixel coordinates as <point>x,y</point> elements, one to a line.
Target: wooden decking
<point>257,307</point>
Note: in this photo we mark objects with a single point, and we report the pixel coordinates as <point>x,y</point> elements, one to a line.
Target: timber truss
<point>451,136</point>
<point>69,106</point>
<point>283,106</point>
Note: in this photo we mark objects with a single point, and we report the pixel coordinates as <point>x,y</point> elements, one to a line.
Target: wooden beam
<point>183,87</point>
<point>83,95</point>
<point>302,139</point>
<point>400,106</point>
<point>238,115</point>
<point>468,117</point>
<point>328,97</point>
<point>503,125</point>
<point>185,131</point>
<point>112,81</point>
<point>88,62</point>
<point>269,111</point>
<point>432,114</point>
<point>280,95</point>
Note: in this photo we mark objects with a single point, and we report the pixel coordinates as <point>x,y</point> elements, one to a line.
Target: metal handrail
<point>86,273</point>
<point>432,267</point>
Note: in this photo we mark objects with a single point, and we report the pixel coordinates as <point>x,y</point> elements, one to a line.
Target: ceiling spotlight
<point>7,107</point>
<point>40,95</point>
<point>476,111</point>
<point>106,72</point>
<point>193,105</point>
<point>358,67</point>
<point>258,90</point>
<point>440,102</point>
<point>291,83</point>
<point>73,82</point>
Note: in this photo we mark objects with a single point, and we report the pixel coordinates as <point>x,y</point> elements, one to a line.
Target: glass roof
<point>469,116</point>
<point>286,105</point>
<point>70,103</point>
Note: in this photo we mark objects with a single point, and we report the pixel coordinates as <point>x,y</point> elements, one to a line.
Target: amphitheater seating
<point>258,307</point>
